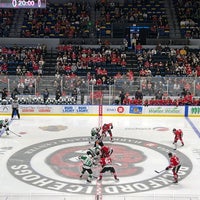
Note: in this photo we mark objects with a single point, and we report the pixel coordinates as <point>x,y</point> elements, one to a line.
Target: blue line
<point>186,110</point>
<point>193,127</point>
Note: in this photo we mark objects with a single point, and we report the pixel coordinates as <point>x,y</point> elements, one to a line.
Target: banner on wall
<point>36,109</point>
<point>112,110</point>
<point>76,109</point>
<point>164,110</point>
<point>194,110</point>
<point>5,109</point>
<point>135,109</point>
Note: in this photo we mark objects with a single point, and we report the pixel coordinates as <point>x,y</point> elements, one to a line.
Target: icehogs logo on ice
<point>54,165</point>
<point>124,159</point>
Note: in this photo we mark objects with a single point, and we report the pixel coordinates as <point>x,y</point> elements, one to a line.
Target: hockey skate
<point>116,179</point>
<point>176,181</point>
<point>99,179</point>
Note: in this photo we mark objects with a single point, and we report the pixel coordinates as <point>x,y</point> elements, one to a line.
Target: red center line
<point>98,184</point>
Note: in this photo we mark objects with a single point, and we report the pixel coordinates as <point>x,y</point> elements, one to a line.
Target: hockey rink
<point>38,159</point>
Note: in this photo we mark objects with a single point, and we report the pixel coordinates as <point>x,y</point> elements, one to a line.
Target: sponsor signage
<point>76,109</point>
<point>166,110</point>
<point>112,109</point>
<point>82,109</point>
<point>5,108</point>
<point>106,110</point>
<point>68,109</point>
<point>195,110</point>
<point>35,109</point>
<point>135,109</point>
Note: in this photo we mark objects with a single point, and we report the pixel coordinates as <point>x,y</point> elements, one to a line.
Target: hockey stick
<point>158,172</point>
<point>15,133</point>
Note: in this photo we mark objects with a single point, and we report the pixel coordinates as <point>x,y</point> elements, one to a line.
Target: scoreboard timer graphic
<point>22,4</point>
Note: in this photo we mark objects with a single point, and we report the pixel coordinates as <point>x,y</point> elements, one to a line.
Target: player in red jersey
<point>107,166</point>
<point>174,165</point>
<point>106,151</point>
<point>106,128</point>
<point>178,135</point>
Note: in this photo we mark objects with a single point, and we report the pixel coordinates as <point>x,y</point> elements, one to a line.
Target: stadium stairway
<point>131,59</point>
<point>15,31</point>
<point>172,19</point>
<point>50,64</point>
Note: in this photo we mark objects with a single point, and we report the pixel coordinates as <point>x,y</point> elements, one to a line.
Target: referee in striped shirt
<point>15,108</point>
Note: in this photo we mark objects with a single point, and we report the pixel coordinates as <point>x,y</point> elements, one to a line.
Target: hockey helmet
<point>174,129</point>
<point>170,154</point>
<point>93,131</point>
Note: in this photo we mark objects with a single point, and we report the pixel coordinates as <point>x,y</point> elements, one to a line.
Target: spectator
<point>183,93</point>
<point>45,95</point>
<point>75,94</point>
<point>14,93</point>
<point>122,97</point>
<point>4,93</point>
<point>58,94</point>
<point>138,94</point>
<point>26,90</point>
<point>159,94</point>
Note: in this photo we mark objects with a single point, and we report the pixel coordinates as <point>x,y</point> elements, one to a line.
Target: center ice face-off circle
<point>130,157</point>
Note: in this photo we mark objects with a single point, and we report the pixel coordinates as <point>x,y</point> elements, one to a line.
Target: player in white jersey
<point>95,152</point>
<point>94,134</point>
<point>87,166</point>
<point>4,126</point>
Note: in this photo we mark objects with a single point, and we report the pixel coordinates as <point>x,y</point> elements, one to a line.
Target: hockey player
<point>106,128</point>
<point>178,135</point>
<point>96,136</point>
<point>4,126</point>
<point>106,163</point>
<point>87,166</point>
<point>95,153</point>
<point>94,133</point>
<point>174,165</point>
<point>106,151</point>
<point>1,127</point>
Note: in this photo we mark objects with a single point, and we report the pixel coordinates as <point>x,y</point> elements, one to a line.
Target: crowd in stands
<point>166,61</point>
<point>161,69</point>
<point>75,19</point>
<point>69,20</point>
<point>103,60</point>
<point>138,12</point>
<point>6,19</point>
<point>158,100</point>
<point>25,62</point>
<point>188,13</point>
<point>106,66</point>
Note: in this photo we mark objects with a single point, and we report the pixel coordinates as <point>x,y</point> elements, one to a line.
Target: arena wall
<point>111,110</point>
